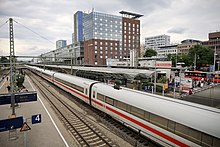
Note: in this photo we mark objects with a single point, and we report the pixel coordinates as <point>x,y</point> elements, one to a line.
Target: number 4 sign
<point>36,118</point>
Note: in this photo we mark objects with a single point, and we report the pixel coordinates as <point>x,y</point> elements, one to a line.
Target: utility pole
<point>195,62</point>
<point>214,65</point>
<point>12,65</point>
<point>155,77</point>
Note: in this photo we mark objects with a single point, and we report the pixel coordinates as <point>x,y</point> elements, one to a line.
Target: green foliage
<point>173,59</point>
<point>163,80</point>
<point>204,55</point>
<point>118,82</point>
<point>185,59</point>
<point>20,80</point>
<point>147,84</point>
<point>150,53</point>
<point>4,60</point>
<point>159,88</point>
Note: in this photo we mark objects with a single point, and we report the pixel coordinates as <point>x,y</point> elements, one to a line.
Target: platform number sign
<point>36,119</point>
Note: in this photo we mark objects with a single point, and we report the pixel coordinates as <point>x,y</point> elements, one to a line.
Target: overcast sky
<point>53,19</point>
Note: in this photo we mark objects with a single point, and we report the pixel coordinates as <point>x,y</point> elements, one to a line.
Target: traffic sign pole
<point>25,135</point>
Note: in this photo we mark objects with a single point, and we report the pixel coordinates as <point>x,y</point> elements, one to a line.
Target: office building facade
<point>166,50</point>
<point>78,26</point>
<point>154,42</point>
<point>60,43</point>
<point>109,36</point>
<point>214,43</point>
<point>185,45</point>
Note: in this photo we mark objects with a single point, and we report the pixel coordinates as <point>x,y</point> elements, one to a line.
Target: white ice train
<point>170,122</point>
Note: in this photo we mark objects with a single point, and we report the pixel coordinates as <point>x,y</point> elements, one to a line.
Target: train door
<point>92,92</point>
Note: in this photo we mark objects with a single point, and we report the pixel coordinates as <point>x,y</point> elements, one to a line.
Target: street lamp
<point>214,65</point>
<point>155,77</point>
<point>218,71</point>
<point>196,57</point>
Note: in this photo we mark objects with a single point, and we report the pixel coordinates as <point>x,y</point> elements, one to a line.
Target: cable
<point>3,24</point>
<point>34,32</point>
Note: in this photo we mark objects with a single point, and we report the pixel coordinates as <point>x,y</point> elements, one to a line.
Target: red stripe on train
<point>148,128</point>
<point>131,119</point>
<point>72,90</point>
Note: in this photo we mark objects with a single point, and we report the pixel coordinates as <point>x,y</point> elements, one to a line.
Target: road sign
<point>10,124</point>
<point>5,99</point>
<point>25,97</point>
<point>25,127</point>
<point>36,118</point>
<point>19,97</point>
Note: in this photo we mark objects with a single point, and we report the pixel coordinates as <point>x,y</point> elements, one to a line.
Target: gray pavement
<point>208,95</point>
<point>50,132</point>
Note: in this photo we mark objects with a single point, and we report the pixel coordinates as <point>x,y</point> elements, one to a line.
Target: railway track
<point>133,137</point>
<point>83,131</point>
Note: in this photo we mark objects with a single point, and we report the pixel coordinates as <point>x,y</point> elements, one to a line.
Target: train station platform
<point>50,132</point>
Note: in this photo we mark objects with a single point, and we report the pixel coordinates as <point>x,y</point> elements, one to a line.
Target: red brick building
<point>214,43</point>
<point>109,36</point>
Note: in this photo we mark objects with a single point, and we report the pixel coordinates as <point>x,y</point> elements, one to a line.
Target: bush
<point>163,80</point>
<point>159,88</point>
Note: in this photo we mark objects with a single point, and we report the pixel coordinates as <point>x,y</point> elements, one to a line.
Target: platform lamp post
<point>218,70</point>
<point>155,76</point>
<point>71,72</point>
<point>214,65</point>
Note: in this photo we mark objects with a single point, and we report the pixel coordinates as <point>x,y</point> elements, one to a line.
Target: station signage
<point>19,98</point>
<point>11,124</point>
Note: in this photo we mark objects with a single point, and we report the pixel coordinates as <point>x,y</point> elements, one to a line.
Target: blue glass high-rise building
<point>78,26</point>
<point>107,36</point>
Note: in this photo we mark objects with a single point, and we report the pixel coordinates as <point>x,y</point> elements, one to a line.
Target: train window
<point>206,140</point>
<point>72,85</point>
<point>182,130</point>
<point>100,97</point>
<point>160,121</point>
<point>138,112</point>
<point>128,109</point>
<point>171,126</point>
<point>109,100</point>
<point>147,116</point>
<point>216,142</point>
<point>86,91</point>
<point>93,94</point>
<point>195,136</point>
<point>121,105</point>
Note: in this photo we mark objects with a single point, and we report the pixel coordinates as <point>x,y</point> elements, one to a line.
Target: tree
<point>202,54</point>
<point>185,59</point>
<point>172,58</point>
<point>150,53</point>
<point>4,60</point>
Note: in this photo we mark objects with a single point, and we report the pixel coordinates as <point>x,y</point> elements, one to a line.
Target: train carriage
<point>168,121</point>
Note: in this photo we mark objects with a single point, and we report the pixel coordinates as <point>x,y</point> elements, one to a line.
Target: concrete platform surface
<point>50,132</point>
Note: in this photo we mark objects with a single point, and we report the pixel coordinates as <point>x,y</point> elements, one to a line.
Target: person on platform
<point>190,91</point>
<point>9,88</point>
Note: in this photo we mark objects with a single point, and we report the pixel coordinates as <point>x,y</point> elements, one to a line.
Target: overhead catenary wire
<point>34,32</point>
<point>3,24</point>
